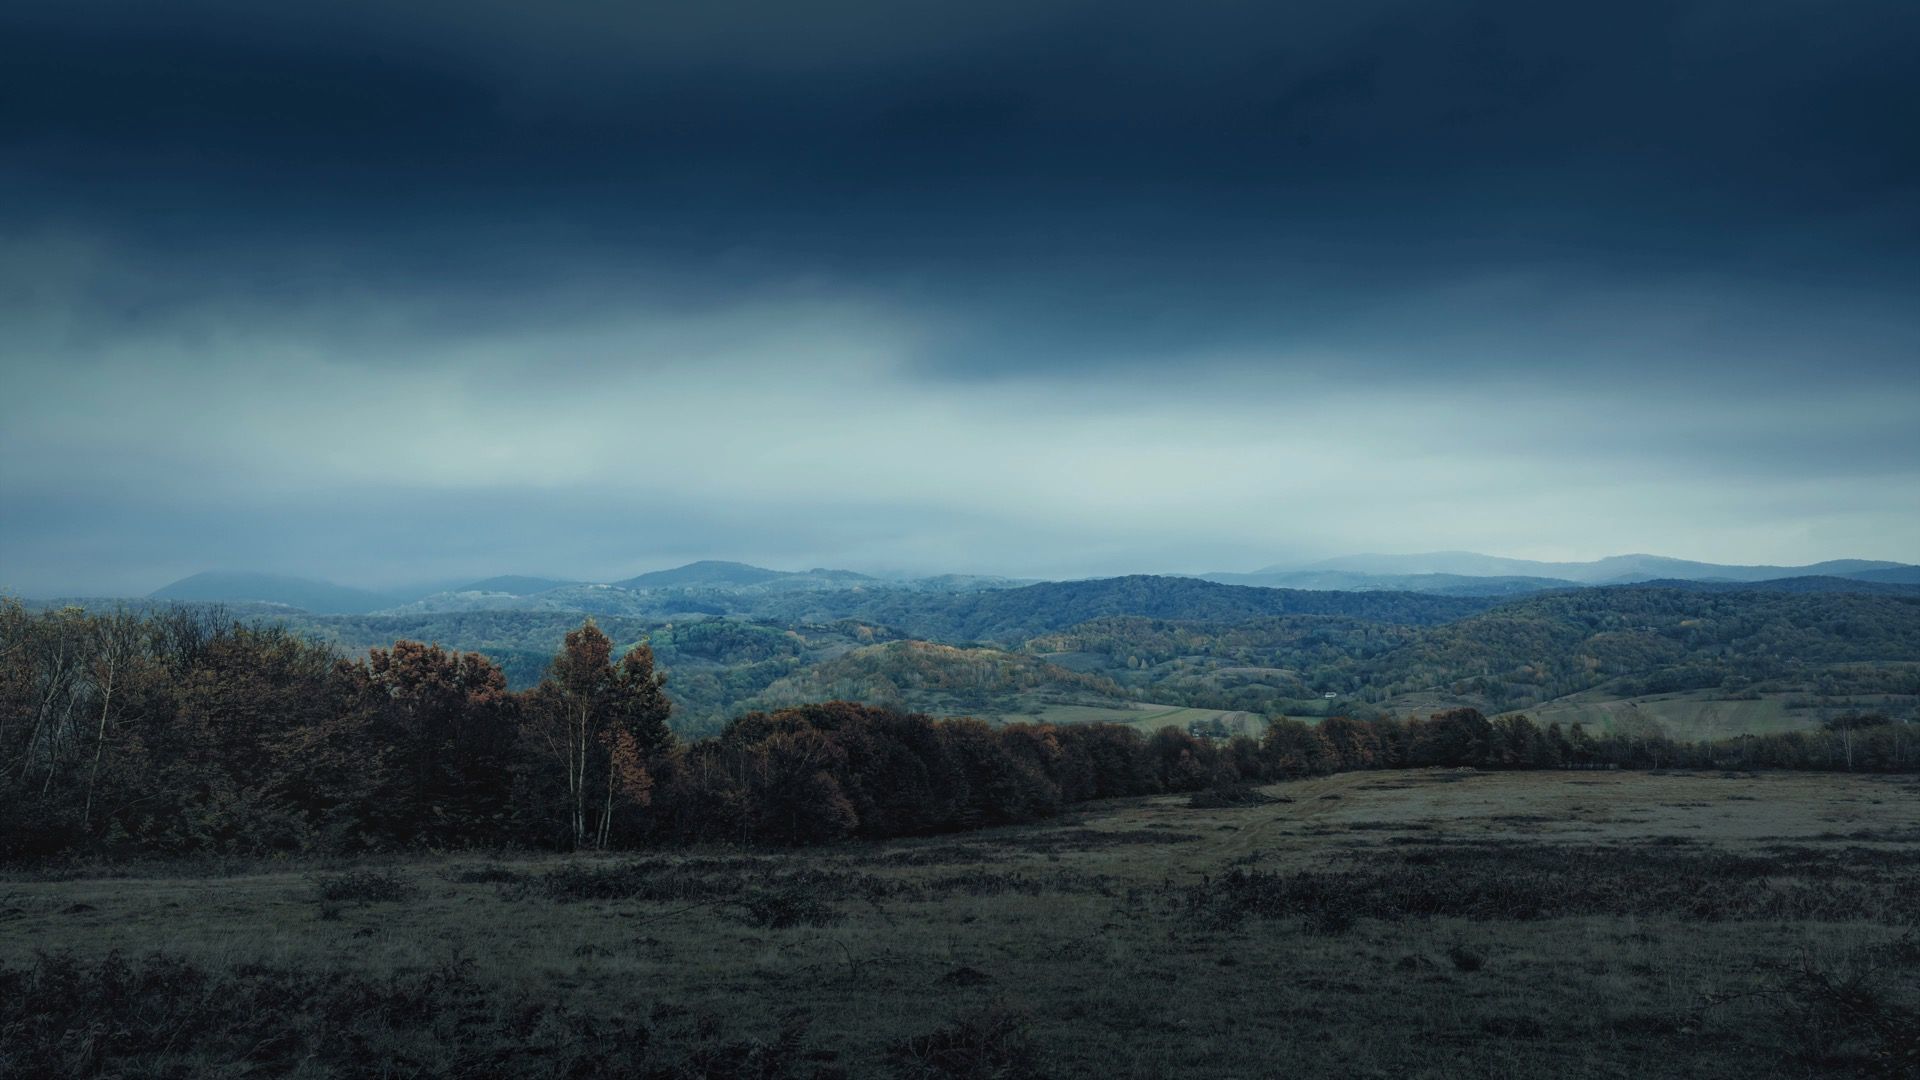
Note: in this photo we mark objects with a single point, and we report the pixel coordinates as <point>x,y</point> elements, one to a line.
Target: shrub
<point>364,886</point>
<point>651,878</point>
<point>1465,959</point>
<point>785,907</point>
<point>489,874</point>
<point>991,1045</point>
<point>1230,796</point>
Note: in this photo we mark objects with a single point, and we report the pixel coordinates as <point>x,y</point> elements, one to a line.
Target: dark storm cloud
<point>1056,280</point>
<point>1083,182</point>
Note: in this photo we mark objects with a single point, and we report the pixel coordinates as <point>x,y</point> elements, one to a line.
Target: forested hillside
<point>1178,642</point>
<point>1011,616</point>
<point>1646,640</point>
<point>942,679</point>
<point>1634,640</point>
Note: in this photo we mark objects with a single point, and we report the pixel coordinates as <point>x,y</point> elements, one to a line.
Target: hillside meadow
<point>1424,923</point>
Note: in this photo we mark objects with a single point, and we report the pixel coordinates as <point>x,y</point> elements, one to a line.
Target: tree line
<point>182,730</point>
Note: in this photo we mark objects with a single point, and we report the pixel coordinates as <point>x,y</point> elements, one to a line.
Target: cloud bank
<point>399,292</point>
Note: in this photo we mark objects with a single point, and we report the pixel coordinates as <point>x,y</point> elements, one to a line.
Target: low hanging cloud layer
<point>405,292</point>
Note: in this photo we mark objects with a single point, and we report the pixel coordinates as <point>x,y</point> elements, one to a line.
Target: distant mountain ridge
<point>713,587</point>
<point>1811,584</point>
<point>1614,569</point>
<point>714,573</point>
<point>1353,581</point>
<point>1892,575</point>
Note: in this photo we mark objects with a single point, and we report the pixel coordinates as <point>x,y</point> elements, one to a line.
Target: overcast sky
<point>383,291</point>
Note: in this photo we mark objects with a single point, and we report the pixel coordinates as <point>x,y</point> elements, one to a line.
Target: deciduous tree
<point>604,724</point>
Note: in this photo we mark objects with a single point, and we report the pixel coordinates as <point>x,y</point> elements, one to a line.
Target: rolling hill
<point>1892,575</point>
<point>1013,615</point>
<point>1630,641</point>
<point>734,636</point>
<point>1182,643</point>
<point>714,574</point>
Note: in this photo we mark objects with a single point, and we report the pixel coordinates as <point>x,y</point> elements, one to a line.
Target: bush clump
<point>995,1044</point>
<point>489,874</point>
<point>785,907</point>
<point>1230,797</point>
<point>363,886</point>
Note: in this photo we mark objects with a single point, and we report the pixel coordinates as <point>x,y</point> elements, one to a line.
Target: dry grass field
<point>1702,715</point>
<point>1405,924</point>
<point>1148,718</point>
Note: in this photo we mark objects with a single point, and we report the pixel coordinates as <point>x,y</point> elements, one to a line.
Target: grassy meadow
<point>1148,718</point>
<point>1414,923</point>
<point>1705,715</point>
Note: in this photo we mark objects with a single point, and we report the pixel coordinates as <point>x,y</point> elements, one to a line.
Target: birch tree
<point>605,724</point>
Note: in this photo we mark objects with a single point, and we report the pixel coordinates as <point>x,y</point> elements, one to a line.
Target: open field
<point>1685,716</point>
<point>1148,718</point>
<point>1709,715</point>
<point>1417,923</point>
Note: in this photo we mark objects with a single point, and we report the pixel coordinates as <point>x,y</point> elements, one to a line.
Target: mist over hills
<point>517,585</point>
<point>1809,584</point>
<point>1355,581</point>
<point>318,597</point>
<point>691,589</point>
<point>1899,575</point>
<point>711,573</point>
<point>1612,570</point>
<point>506,591</point>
